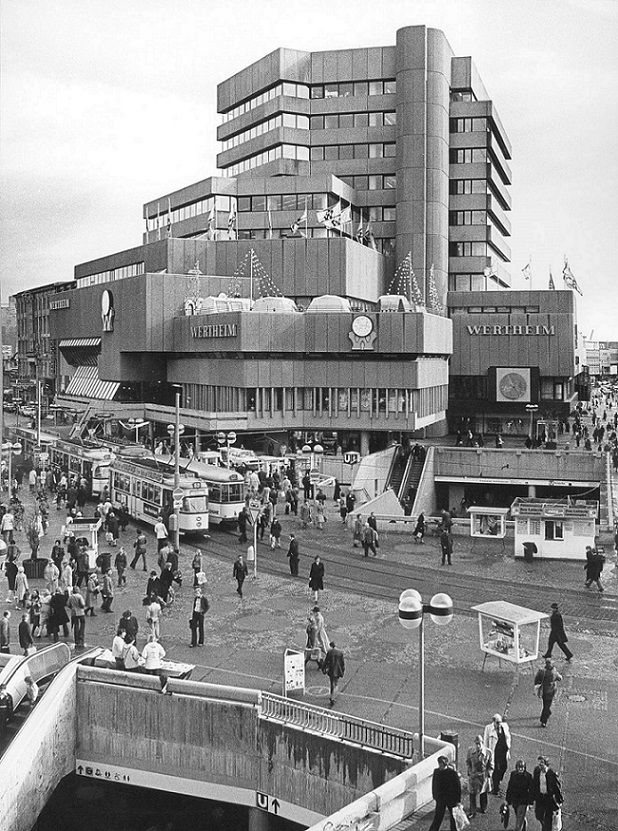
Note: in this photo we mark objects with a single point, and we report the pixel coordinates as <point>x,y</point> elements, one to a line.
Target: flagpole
<point>251,275</point>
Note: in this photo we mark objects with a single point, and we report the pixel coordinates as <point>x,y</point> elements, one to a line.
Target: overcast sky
<point>106,104</point>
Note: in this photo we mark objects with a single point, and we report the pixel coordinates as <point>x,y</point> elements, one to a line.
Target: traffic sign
<point>177,503</point>
<point>255,508</point>
<point>231,437</point>
<point>178,493</point>
<point>314,476</point>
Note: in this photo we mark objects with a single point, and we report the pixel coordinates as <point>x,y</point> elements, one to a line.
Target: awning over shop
<point>86,382</point>
<point>78,351</point>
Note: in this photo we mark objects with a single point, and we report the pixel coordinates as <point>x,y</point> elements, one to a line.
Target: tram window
<point>195,504</point>
<point>151,493</point>
<point>233,493</point>
<point>121,483</point>
<point>214,491</point>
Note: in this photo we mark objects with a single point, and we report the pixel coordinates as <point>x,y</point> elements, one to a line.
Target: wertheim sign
<point>511,329</point>
<point>215,330</point>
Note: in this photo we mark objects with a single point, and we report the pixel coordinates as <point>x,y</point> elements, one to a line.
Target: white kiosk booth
<point>509,632</point>
<point>559,529</point>
<point>87,528</point>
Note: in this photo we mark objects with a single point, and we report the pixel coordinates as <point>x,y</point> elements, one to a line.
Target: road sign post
<point>255,509</point>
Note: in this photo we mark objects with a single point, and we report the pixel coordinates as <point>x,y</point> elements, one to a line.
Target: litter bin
<point>451,737</point>
<point>530,550</point>
<point>34,568</point>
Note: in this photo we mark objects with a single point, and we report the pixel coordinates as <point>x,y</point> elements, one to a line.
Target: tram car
<point>145,489</point>
<point>90,462</point>
<point>35,444</point>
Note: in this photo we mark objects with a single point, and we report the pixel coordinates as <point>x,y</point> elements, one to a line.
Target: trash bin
<point>451,737</point>
<point>34,568</point>
<point>530,550</point>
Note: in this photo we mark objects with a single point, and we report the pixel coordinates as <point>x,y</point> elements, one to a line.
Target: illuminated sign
<point>215,330</point>
<point>511,329</point>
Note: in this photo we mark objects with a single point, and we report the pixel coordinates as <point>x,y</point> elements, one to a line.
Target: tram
<point>33,444</point>
<point>146,492</point>
<point>226,488</point>
<point>91,463</point>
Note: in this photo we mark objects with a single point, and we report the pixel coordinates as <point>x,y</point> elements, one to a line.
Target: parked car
<point>28,410</point>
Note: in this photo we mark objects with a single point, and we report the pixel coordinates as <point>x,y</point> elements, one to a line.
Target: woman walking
<point>357,535</point>
<point>316,578</point>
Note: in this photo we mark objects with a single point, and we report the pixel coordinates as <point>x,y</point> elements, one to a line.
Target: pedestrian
<point>316,577</point>
<point>120,564</point>
<point>58,615</point>
<point>131,655</point>
<point>77,606</point>
<point>240,573</point>
<point>153,586</point>
<point>160,533</point>
<point>154,617</point>
<point>118,648</point>
<point>446,791</point>
<point>343,509</point>
<point>129,625</point>
<point>305,514</point>
<point>166,580</point>
<point>519,794</point>
<point>478,763</point>
<point>446,521</point>
<point>546,685</point>
<point>275,534</point>
<point>35,613</point>
<point>152,654</point>
<point>107,591</point>
<point>357,534</point>
<point>497,739</point>
<point>594,568</point>
<point>32,690</point>
<point>320,517</point>
<point>92,592</point>
<point>139,545</point>
<point>83,566</point>
<point>370,540</point>
<point>446,544</point>
<point>293,556</point>
<point>10,570</point>
<point>7,525</point>
<point>21,587</point>
<point>65,580</point>
<point>546,792</point>
<point>243,518</point>
<point>419,528</point>
<point>6,709</point>
<point>196,565</point>
<point>113,527</point>
<point>557,635</point>
<point>334,667</point>
<point>24,632</point>
<point>196,623</point>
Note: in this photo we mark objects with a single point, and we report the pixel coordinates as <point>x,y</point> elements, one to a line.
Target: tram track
<point>383,579</point>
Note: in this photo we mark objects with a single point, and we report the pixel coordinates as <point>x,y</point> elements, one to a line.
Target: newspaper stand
<point>509,632</point>
<point>87,528</point>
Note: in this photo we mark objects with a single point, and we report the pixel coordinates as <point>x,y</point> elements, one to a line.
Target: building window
<point>554,529</point>
<point>467,218</point>
<point>468,125</point>
<point>286,88</point>
<point>345,89</point>
<point>462,95</point>
<point>467,249</point>
<point>458,187</point>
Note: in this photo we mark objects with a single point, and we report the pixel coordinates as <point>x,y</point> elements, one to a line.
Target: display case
<point>508,632</point>
<point>487,522</point>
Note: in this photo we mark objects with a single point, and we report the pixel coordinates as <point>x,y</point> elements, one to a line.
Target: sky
<point>107,104</point>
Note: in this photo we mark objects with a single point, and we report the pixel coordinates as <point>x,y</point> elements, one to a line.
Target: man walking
<point>446,544</point>
<point>370,540</point>
<point>557,635</point>
<point>293,556</point>
<point>5,632</point>
<point>140,549</point>
<point>240,573</point>
<point>497,739</point>
<point>546,680</point>
<point>196,624</point>
<point>446,791</point>
<point>334,667</point>
<point>77,606</point>
<point>161,533</point>
<point>546,792</point>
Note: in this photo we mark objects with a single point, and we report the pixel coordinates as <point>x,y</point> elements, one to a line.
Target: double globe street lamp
<point>226,439</point>
<point>176,430</point>
<point>411,612</point>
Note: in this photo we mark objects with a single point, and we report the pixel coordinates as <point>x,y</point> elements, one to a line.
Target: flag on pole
<point>232,228</point>
<point>359,230</point>
<point>325,217</point>
<point>158,221</point>
<point>527,270</point>
<point>369,237</point>
<point>569,279</point>
<point>302,220</point>
<point>146,226</point>
<point>169,217</point>
<point>345,217</point>
<point>270,225</point>
<point>552,285</point>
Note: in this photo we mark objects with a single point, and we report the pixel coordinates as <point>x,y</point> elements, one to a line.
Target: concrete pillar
<point>258,820</point>
<point>532,490</point>
<point>198,440</point>
<point>364,443</point>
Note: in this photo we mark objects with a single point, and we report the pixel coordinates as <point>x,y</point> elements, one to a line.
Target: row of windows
<point>374,182</point>
<point>469,282</point>
<point>502,310</point>
<point>461,186</point>
<point>382,213</point>
<point>286,88</point>
<point>463,95</point>
<point>113,274</point>
<point>477,387</point>
<point>299,122</point>
<point>467,249</point>
<point>282,151</point>
<point>468,125</point>
<point>334,152</point>
<point>468,155</point>
<point>285,202</point>
<point>331,400</point>
<point>202,206</point>
<point>349,88</point>
<point>467,218</point>
<point>345,120</point>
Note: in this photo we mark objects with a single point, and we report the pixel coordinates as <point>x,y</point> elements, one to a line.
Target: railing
<point>344,727</point>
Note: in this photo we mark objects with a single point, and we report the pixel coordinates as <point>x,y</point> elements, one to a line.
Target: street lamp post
<point>532,409</point>
<point>136,424</point>
<point>226,439</point>
<point>411,612</point>
<point>176,430</point>
<point>313,454</point>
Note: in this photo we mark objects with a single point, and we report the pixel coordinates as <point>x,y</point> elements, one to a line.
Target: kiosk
<point>508,632</point>
<point>87,529</point>
<point>488,522</point>
<point>560,528</point>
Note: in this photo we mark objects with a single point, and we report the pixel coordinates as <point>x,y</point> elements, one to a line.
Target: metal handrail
<point>338,725</point>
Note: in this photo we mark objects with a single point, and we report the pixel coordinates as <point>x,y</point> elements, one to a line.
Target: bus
<point>145,490</point>
<point>226,488</point>
<point>90,462</point>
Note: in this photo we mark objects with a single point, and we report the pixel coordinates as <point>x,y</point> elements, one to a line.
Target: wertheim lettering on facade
<point>511,329</point>
<point>215,330</point>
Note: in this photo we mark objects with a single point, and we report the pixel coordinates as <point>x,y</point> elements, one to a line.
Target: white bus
<point>146,492</point>
<point>226,488</point>
<point>90,462</point>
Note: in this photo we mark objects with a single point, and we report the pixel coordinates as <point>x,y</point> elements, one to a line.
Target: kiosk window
<point>554,530</point>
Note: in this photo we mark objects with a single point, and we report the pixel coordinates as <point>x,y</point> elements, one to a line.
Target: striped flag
<point>169,217</point>
<point>232,227</point>
<point>295,226</point>
<point>359,230</point>
<point>527,270</point>
<point>569,279</point>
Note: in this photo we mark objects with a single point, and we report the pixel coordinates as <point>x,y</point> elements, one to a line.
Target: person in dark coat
<point>547,678</point>
<point>593,568</point>
<point>293,555</point>
<point>546,793</point>
<point>334,667</point>
<point>316,577</point>
<point>139,545</point>
<point>166,579</point>
<point>57,554</point>
<point>519,794</point>
<point>419,528</point>
<point>58,615</point>
<point>446,544</point>
<point>196,622</point>
<point>239,573</point>
<point>242,525</point>
<point>446,791</point>
<point>129,625</point>
<point>557,635</point>
<point>153,586</point>
<point>113,526</point>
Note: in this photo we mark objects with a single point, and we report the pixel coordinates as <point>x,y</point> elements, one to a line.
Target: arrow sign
<point>275,805</point>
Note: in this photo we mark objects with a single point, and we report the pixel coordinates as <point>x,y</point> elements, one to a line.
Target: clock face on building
<point>362,326</point>
<point>513,386</point>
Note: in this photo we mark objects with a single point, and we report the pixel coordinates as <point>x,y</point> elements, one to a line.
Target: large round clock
<point>513,385</point>
<point>362,326</point>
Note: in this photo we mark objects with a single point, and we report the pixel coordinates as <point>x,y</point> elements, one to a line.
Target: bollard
<point>451,737</point>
